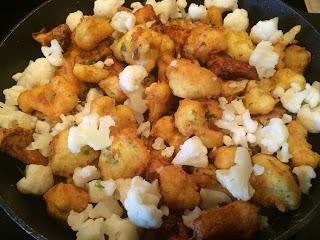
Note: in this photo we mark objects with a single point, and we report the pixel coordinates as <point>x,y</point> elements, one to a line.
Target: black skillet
<point>18,48</point>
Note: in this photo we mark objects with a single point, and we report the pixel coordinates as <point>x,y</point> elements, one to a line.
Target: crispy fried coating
<point>276,187</point>
<point>165,128</point>
<point>224,157</point>
<point>162,64</point>
<point>62,198</point>
<point>111,87</point>
<point>53,99</point>
<point>125,158</point>
<point>285,77</point>
<point>158,96</point>
<point>210,137</point>
<point>277,112</point>
<point>61,33</point>
<point>240,45</point>
<point>91,31</point>
<point>299,148</point>
<point>213,111</point>
<point>13,141</point>
<point>100,52</point>
<point>145,14</point>
<point>89,73</point>
<point>297,58</point>
<point>231,89</point>
<point>189,80</point>
<point>204,41</point>
<point>214,17</point>
<point>102,105</point>
<point>62,161</point>
<point>236,220</point>
<point>156,163</point>
<point>124,117</point>
<point>178,189</point>
<point>205,177</point>
<point>227,68</point>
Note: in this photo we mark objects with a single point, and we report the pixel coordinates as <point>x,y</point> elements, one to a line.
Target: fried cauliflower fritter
<point>158,96</point>
<point>231,89</point>
<point>62,161</point>
<point>145,14</point>
<point>299,148</point>
<point>210,137</point>
<point>203,41</point>
<point>285,77</point>
<point>205,177</point>
<point>125,158</point>
<point>276,187</point>
<point>53,99</point>
<point>111,87</point>
<point>189,80</point>
<point>224,157</point>
<point>165,129</point>
<point>236,220</point>
<point>162,64</point>
<point>89,73</point>
<point>178,189</point>
<point>156,163</point>
<point>102,105</point>
<point>62,198</point>
<point>91,31</point>
<point>214,17</point>
<point>297,58</point>
<point>124,117</point>
<point>213,111</point>
<point>13,141</point>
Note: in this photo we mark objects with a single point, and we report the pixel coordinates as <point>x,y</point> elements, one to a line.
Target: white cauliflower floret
<point>258,169</point>
<point>182,4</point>
<point>188,217</point>
<point>108,62</point>
<point>10,117</point>
<point>93,131</point>
<point>227,140</point>
<point>120,229</point>
<point>41,138</point>
<point>192,153</point>
<point>137,103</point>
<point>123,186</point>
<point>106,208</point>
<point>101,190</point>
<point>37,73</point>
<point>310,118</point>
<point>81,176</point>
<point>211,198</point>
<point>266,31</point>
<point>131,77</point>
<point>286,118</point>
<point>141,203</point>
<point>38,179</point>
<point>107,8</point>
<point>54,53</point>
<point>165,9</point>
<point>305,174</point>
<point>123,21</point>
<point>158,144</point>
<point>11,94</point>
<point>75,219</point>
<point>293,98</point>
<point>66,122</point>
<point>271,137</point>
<point>92,230</point>
<point>74,19</point>
<point>264,59</point>
<point>238,20</point>
<point>136,6</point>
<point>312,95</point>
<point>278,92</point>
<point>144,129</point>
<point>167,152</point>
<point>236,179</point>
<point>197,12</point>
<point>224,5</point>
<point>283,154</point>
<point>250,125</point>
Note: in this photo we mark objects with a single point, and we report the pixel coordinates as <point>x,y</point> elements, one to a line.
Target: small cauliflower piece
<point>107,8</point>
<point>264,59</point>
<point>73,19</point>
<point>130,79</point>
<point>126,157</point>
<point>178,189</point>
<point>212,199</point>
<point>236,179</point>
<point>293,98</point>
<point>123,186</point>
<point>37,73</point>
<point>258,169</point>
<point>284,77</point>
<point>266,31</point>
<point>276,187</point>
<point>118,229</point>
<point>123,21</point>
<point>100,190</point>
<point>38,179</point>
<point>81,176</point>
<point>189,216</point>
<point>197,12</point>
<point>76,219</point>
<point>305,174</point>
<point>224,5</point>
<point>192,153</point>
<point>54,53</point>
<point>310,118</point>
<point>300,149</point>
<point>144,129</point>
<point>185,82</point>
<point>62,198</point>
<point>106,208</point>
<point>238,20</point>
<point>141,203</point>
<point>89,73</point>
<point>12,94</point>
<point>92,131</point>
<point>91,229</point>
<point>296,58</point>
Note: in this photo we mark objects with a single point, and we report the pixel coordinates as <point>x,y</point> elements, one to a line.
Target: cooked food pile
<point>164,121</point>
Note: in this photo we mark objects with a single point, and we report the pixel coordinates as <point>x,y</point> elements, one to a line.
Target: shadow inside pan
<point>18,48</point>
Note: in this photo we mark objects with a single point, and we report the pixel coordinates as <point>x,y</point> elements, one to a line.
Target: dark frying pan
<point>18,47</point>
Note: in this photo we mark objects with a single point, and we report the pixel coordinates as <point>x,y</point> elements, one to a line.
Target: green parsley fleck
<point>209,116</point>
<point>90,62</point>
<point>123,47</point>
<point>86,152</point>
<point>114,161</point>
<point>98,184</point>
